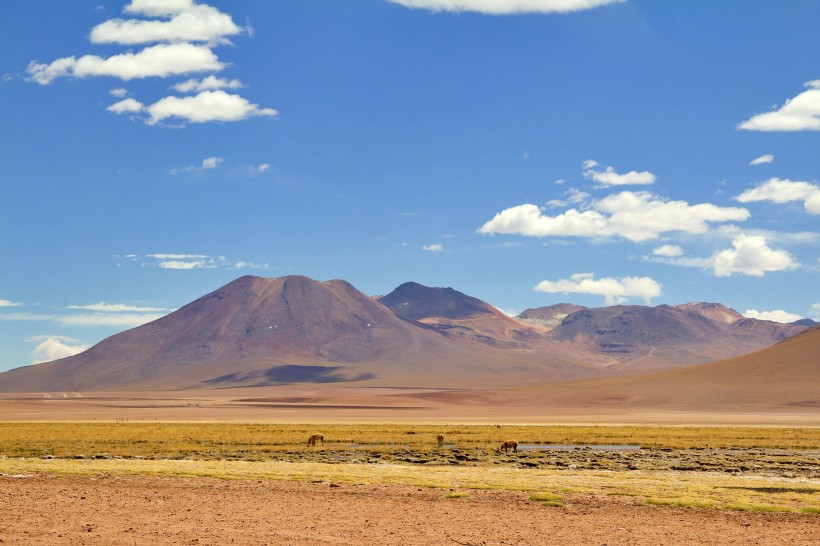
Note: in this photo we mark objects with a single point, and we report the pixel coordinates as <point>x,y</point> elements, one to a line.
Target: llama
<point>318,436</point>
<point>506,445</point>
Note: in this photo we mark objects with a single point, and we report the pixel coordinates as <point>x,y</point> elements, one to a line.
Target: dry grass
<point>550,486</point>
<point>254,441</point>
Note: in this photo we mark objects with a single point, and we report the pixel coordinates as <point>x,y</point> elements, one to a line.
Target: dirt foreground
<point>127,510</point>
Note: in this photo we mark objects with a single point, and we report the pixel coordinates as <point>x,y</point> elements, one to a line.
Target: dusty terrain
<point>114,510</point>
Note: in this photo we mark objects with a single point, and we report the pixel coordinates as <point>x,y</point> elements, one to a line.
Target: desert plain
<point>231,466</point>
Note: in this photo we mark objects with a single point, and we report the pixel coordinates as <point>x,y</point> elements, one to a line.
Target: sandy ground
<point>127,510</point>
<point>328,404</point>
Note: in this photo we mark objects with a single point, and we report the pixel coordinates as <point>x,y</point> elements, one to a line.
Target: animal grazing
<point>318,436</point>
<point>440,440</point>
<point>506,445</point>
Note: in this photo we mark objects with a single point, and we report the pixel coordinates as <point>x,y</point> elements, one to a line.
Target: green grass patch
<point>456,495</point>
<point>811,510</point>
<point>745,507</point>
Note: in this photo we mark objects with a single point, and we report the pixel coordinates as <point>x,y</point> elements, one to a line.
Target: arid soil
<point>126,510</point>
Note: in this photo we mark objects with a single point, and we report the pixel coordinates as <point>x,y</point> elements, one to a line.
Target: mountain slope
<point>456,314</point>
<point>782,376</point>
<point>642,338</point>
<point>549,316</point>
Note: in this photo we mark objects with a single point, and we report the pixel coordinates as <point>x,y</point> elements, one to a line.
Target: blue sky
<point>525,152</point>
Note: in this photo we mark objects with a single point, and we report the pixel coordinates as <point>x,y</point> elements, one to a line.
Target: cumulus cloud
<point>206,84</point>
<point>201,108</point>
<point>750,255</point>
<point>183,39</point>
<point>762,160</point>
<point>614,290</point>
<point>800,113</point>
<point>777,315</point>
<point>262,167</point>
<point>505,7</point>
<point>250,265</point>
<point>814,312</point>
<point>435,247</point>
<point>636,216</point>
<point>668,251</point>
<point>161,61</point>
<point>207,163</point>
<point>187,22</point>
<point>609,177</point>
<point>777,190</point>
<point>7,303</point>
<point>54,347</point>
<point>573,197</point>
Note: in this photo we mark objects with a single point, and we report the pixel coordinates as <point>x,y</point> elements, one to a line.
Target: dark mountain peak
<point>414,301</point>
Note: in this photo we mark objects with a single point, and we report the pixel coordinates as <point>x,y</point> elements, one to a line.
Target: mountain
<point>549,316</point>
<point>714,311</point>
<point>783,377</point>
<point>256,331</point>
<point>456,314</point>
<point>642,338</point>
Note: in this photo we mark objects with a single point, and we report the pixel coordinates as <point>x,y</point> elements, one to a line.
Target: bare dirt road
<point>127,510</point>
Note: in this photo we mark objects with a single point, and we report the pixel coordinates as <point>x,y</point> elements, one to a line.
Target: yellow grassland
<point>251,441</point>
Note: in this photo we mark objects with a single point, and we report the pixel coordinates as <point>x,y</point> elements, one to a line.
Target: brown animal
<point>506,445</point>
<point>318,436</point>
<point>440,440</point>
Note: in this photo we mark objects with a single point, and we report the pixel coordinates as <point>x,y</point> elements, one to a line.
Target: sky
<point>525,152</point>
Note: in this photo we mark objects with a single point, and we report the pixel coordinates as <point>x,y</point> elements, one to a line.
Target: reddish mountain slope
<point>257,331</point>
<point>458,315</point>
<point>652,338</point>
<point>786,375</point>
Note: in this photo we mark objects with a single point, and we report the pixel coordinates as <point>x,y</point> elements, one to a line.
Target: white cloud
<point>7,303</point>
<point>262,167</point>
<point>801,113</point>
<point>608,177</point>
<point>668,251</point>
<point>778,315</point>
<point>505,7</point>
<point>435,247</point>
<point>117,308</point>
<point>176,256</point>
<point>250,265</point>
<point>178,264</point>
<point>118,320</point>
<point>750,255</point>
<point>187,22</point>
<point>637,216</point>
<point>207,163</point>
<point>762,160</point>
<point>574,197</point>
<point>161,60</point>
<point>614,290</point>
<point>118,92</point>
<point>125,106</point>
<point>54,347</point>
<point>777,190</point>
<point>204,107</point>
<point>206,84</point>
<point>814,312</point>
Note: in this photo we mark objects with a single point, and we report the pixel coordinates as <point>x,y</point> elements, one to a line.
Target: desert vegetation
<point>733,468</point>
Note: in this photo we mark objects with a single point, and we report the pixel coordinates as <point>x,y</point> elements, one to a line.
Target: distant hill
<point>782,377</point>
<point>257,331</point>
<point>647,338</point>
<point>549,316</point>
<point>456,314</point>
